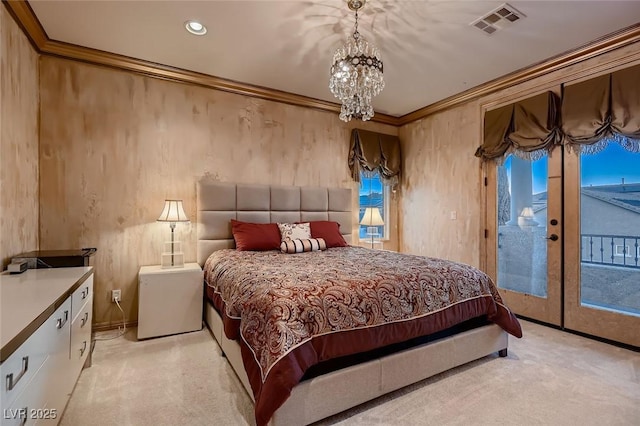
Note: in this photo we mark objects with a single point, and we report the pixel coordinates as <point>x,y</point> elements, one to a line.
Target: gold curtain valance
<point>604,107</point>
<point>529,128</point>
<point>372,152</point>
<point>589,115</point>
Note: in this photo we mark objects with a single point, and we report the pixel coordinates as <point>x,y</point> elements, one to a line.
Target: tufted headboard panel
<point>219,202</point>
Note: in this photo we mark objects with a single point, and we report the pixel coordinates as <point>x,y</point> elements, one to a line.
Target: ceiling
<point>430,50</point>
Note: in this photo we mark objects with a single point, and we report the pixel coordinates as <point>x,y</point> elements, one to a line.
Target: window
<point>373,194</point>
<point>622,251</point>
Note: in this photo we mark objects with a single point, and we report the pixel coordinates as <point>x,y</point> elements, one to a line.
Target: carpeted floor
<point>549,378</point>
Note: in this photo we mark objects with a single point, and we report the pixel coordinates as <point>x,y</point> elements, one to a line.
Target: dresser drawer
<point>30,406</point>
<point>19,369</point>
<point>80,296</point>
<point>80,340</point>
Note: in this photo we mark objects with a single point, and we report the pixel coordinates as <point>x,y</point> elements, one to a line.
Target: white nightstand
<point>170,301</point>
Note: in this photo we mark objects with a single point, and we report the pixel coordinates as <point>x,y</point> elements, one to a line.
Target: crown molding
<point>27,20</point>
<point>165,72</point>
<point>29,23</point>
<point>598,47</point>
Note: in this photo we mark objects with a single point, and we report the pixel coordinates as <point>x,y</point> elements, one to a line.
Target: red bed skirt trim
<point>288,371</point>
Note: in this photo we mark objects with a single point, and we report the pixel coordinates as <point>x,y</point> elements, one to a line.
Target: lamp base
<point>375,244</point>
<point>172,260</point>
<point>172,256</point>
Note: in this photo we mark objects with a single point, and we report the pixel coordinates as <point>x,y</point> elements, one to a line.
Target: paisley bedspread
<point>291,311</point>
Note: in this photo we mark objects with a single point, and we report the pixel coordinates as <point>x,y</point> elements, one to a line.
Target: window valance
<point>598,110</point>
<point>372,152</point>
<point>588,116</point>
<point>529,128</point>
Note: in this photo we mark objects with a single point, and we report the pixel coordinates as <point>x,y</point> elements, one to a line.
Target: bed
<point>315,366</point>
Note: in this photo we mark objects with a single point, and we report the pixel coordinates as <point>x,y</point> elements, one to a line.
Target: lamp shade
<point>372,217</point>
<point>527,218</point>
<point>173,212</point>
<point>527,212</point>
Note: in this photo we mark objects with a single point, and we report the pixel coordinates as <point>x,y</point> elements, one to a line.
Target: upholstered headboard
<point>220,202</point>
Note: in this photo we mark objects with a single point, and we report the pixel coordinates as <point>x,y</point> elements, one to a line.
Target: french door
<point>564,239</point>
<point>602,244</point>
<point>525,235</point>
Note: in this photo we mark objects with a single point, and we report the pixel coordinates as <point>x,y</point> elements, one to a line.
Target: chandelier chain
<point>356,34</point>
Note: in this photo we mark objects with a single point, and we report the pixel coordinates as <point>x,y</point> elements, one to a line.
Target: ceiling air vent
<point>498,19</point>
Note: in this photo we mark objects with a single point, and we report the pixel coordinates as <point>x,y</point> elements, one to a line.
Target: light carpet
<point>549,378</point>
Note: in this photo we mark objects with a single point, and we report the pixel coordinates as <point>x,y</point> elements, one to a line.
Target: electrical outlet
<point>115,295</point>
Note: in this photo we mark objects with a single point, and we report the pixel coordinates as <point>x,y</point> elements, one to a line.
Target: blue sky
<point>610,166</point>
<point>605,168</point>
<point>539,169</point>
<point>365,183</point>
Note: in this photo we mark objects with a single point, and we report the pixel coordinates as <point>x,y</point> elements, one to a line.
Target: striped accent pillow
<point>302,245</point>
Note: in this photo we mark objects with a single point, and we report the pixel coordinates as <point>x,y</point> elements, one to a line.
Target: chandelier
<point>356,74</point>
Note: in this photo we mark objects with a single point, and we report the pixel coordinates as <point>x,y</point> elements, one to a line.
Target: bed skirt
<point>332,393</point>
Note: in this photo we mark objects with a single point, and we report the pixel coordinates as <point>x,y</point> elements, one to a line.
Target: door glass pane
<point>610,230</point>
<point>522,218</point>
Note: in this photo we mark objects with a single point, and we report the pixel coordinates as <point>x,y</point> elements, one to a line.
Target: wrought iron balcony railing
<point>616,250</point>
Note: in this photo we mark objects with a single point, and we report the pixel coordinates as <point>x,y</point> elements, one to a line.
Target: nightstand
<point>170,301</point>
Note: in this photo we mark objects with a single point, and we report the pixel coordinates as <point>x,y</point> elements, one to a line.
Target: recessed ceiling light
<point>195,27</point>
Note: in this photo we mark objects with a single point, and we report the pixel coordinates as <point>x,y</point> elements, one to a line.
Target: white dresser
<point>45,335</point>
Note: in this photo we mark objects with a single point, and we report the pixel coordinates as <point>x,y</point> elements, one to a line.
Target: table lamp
<point>372,219</point>
<point>527,218</point>
<point>173,212</point>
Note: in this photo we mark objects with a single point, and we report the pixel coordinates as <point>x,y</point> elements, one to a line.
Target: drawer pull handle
<point>84,348</point>
<point>84,319</point>
<point>60,322</point>
<point>85,293</point>
<point>25,367</point>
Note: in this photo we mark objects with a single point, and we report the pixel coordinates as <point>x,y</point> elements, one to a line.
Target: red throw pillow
<point>329,231</point>
<point>255,236</point>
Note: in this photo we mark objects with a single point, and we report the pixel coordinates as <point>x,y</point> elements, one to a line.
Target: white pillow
<point>294,231</point>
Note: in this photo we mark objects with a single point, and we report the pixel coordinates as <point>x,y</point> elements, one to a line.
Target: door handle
<point>553,237</point>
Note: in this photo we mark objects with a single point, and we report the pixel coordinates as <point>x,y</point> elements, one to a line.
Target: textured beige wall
<point>441,176</point>
<point>114,145</point>
<point>18,141</point>
<point>441,173</point>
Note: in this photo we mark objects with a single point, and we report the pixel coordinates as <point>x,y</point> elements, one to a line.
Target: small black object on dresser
<point>39,259</point>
